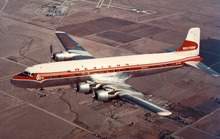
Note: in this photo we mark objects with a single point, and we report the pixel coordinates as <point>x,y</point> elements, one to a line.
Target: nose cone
<point>15,81</point>
<point>20,81</point>
<point>23,81</point>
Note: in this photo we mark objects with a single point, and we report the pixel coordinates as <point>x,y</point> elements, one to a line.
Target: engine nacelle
<point>101,95</point>
<point>104,95</point>
<point>64,56</point>
<point>83,88</point>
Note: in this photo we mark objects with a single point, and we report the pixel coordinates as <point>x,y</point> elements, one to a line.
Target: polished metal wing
<point>138,99</point>
<point>126,93</point>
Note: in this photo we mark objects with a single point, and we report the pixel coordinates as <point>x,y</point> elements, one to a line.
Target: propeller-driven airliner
<point>105,77</point>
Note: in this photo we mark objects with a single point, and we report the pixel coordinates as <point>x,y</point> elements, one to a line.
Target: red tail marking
<point>188,45</point>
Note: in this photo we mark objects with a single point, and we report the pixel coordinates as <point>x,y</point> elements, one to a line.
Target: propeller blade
<point>73,86</point>
<point>51,49</point>
<point>94,97</point>
<point>51,52</point>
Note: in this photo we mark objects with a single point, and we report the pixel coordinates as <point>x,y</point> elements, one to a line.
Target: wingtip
<point>59,32</point>
<point>164,113</point>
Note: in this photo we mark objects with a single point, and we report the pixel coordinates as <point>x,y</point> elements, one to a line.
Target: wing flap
<point>143,103</point>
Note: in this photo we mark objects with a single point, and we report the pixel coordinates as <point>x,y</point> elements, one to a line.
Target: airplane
<point>105,77</point>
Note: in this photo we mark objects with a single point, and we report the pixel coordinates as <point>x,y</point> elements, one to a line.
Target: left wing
<point>110,91</point>
<point>138,100</point>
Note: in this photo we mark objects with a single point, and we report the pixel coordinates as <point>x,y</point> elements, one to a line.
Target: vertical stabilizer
<point>192,43</point>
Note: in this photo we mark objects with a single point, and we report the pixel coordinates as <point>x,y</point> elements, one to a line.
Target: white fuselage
<point>71,72</point>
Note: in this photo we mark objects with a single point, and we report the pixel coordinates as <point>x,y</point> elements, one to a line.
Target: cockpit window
<point>25,73</point>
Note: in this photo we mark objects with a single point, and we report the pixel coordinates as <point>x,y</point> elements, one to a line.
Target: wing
<point>114,87</point>
<point>137,98</point>
<point>125,92</point>
<point>72,46</point>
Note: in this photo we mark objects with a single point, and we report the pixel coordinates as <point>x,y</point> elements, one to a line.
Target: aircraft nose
<point>15,81</point>
<point>24,81</point>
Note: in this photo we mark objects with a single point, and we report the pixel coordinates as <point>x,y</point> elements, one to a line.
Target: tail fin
<point>190,47</point>
<point>192,43</point>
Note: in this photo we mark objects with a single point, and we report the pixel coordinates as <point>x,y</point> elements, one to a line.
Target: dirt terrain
<point>113,28</point>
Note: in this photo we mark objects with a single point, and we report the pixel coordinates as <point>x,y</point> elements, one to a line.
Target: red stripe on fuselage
<point>128,68</point>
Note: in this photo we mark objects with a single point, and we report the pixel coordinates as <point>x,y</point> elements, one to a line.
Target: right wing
<point>72,46</point>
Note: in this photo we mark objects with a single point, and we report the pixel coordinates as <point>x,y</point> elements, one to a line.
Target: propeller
<point>93,97</point>
<point>74,87</point>
<point>51,52</point>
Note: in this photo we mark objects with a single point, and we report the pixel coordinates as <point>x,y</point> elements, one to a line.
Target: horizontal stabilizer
<point>203,67</point>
